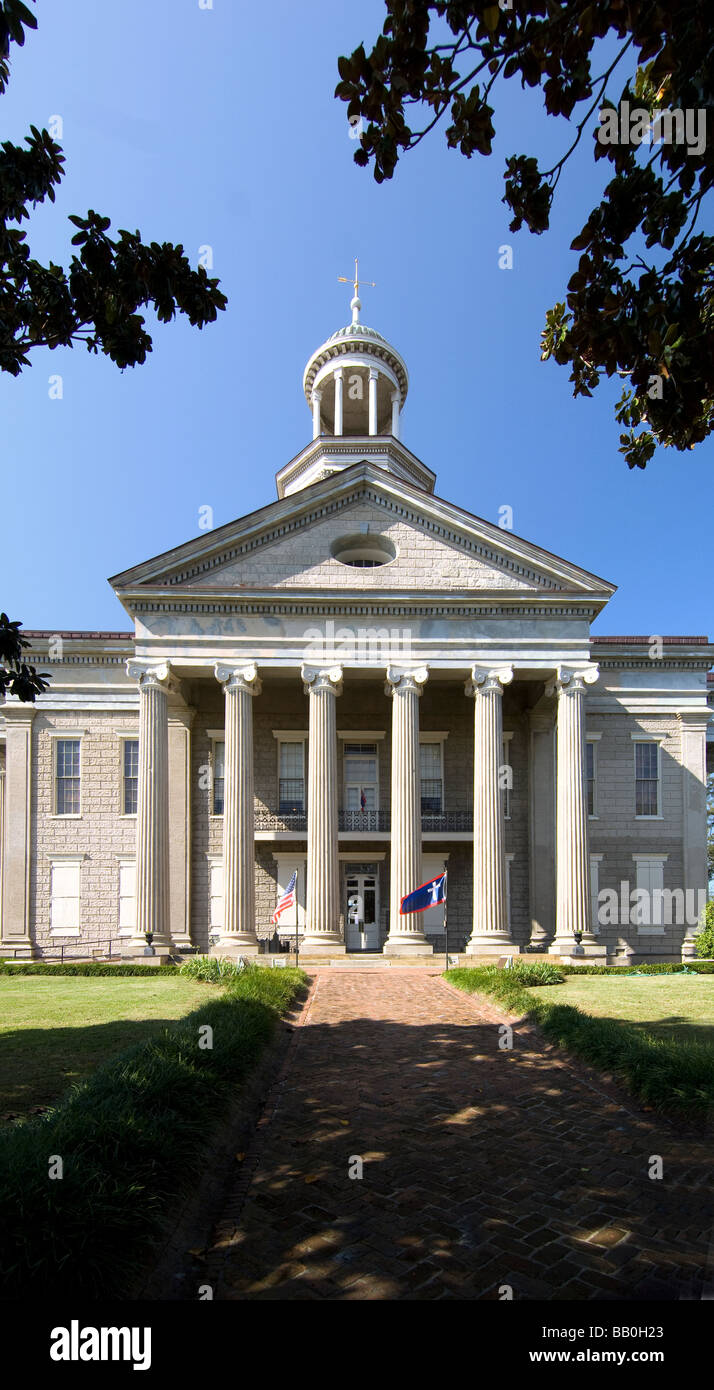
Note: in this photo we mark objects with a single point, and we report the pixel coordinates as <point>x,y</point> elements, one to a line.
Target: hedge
<point>131,1138</point>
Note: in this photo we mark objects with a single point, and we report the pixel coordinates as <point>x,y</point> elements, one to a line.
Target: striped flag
<point>287,899</point>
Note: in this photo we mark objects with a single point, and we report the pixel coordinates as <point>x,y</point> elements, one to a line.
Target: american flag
<point>287,899</point>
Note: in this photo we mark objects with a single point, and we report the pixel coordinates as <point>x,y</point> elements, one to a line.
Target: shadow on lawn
<point>35,1073</point>
<point>482,1169</point>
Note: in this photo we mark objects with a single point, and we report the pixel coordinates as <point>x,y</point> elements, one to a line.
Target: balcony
<point>363,822</point>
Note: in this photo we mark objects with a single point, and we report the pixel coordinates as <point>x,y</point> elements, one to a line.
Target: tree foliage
<point>16,676</point>
<point>110,279</point>
<point>640,303</point>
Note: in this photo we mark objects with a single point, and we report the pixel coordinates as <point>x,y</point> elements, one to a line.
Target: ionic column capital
<point>572,680</point>
<point>488,680</point>
<point>317,678</point>
<point>406,678</point>
<point>153,675</point>
<point>244,677</point>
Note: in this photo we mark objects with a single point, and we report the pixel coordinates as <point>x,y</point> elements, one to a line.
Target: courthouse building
<point>358,683</point>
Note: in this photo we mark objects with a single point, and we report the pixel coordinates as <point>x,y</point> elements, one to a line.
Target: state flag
<point>424,897</point>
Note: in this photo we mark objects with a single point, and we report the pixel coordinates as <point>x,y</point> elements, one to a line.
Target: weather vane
<point>345,280</point>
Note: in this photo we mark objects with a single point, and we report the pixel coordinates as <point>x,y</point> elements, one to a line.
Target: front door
<point>361,913</point>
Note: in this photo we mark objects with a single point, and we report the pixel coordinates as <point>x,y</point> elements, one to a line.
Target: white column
<point>373,376</point>
<point>152,812</point>
<point>339,388</point>
<point>322,917</point>
<point>16,933</point>
<point>240,685</point>
<point>693,732</point>
<point>572,864</point>
<point>541,827</point>
<point>316,400</point>
<point>180,722</point>
<point>491,932</point>
<point>406,933</point>
<point>395,413</point>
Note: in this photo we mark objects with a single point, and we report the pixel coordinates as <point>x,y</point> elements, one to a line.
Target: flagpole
<point>297,942</point>
<point>446,916</point>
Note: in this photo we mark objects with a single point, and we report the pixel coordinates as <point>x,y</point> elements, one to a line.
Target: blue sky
<point>218,127</point>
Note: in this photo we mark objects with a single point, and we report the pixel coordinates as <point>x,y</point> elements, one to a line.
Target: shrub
<point>132,1138</point>
<point>537,972</point>
<point>669,1075</point>
<point>81,967</point>
<point>705,938</point>
<point>214,969</point>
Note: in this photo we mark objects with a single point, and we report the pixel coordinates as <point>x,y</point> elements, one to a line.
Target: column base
<point>230,947</point>
<point>323,944</point>
<point>406,946</point>
<point>135,951</point>
<point>491,944</point>
<point>588,953</point>
<point>18,950</point>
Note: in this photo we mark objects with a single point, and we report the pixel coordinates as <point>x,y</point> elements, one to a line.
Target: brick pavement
<point>482,1168</point>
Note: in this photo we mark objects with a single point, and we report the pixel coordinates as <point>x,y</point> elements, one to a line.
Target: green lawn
<point>679,1007</point>
<point>54,1031</point>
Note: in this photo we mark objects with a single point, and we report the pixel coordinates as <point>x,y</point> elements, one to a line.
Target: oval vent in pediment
<point>363,550</point>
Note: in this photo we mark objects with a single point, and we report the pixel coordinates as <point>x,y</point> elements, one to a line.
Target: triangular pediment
<point>433,546</point>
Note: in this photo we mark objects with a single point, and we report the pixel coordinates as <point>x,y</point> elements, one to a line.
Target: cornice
<point>341,446</point>
<point>387,606</point>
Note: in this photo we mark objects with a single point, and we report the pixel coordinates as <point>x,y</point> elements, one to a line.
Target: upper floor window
<point>291,776</point>
<point>130,789</point>
<point>67,777</point>
<point>647,797</point>
<point>432,781</point>
<point>361,777</point>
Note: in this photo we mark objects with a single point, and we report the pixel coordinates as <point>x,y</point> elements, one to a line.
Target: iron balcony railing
<point>367,821</point>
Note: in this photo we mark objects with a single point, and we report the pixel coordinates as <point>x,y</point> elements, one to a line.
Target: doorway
<point>362,912</point>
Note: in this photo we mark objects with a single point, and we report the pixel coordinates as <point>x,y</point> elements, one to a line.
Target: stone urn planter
<point>148,949</point>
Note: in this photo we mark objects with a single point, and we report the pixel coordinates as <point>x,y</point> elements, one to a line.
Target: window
<point>361,778</point>
<point>291,790</point>
<point>595,862</point>
<point>127,895</point>
<point>432,786</point>
<point>646,779</point>
<point>363,551</point>
<point>67,777</point>
<point>215,891</point>
<point>590,776</point>
<point>647,911</point>
<point>219,775</point>
<point>64,896</point>
<point>506,776</point>
<point>130,776</point>
<point>432,865</point>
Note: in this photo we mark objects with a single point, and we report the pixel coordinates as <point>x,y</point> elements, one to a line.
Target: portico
<point>404,830</point>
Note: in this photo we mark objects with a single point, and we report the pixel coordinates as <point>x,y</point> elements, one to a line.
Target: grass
<point>665,1072</point>
<point>130,1139</point>
<point>672,1007</point>
<point>57,1031</point>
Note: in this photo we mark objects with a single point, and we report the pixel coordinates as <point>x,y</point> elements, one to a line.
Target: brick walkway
<point>481,1167</point>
